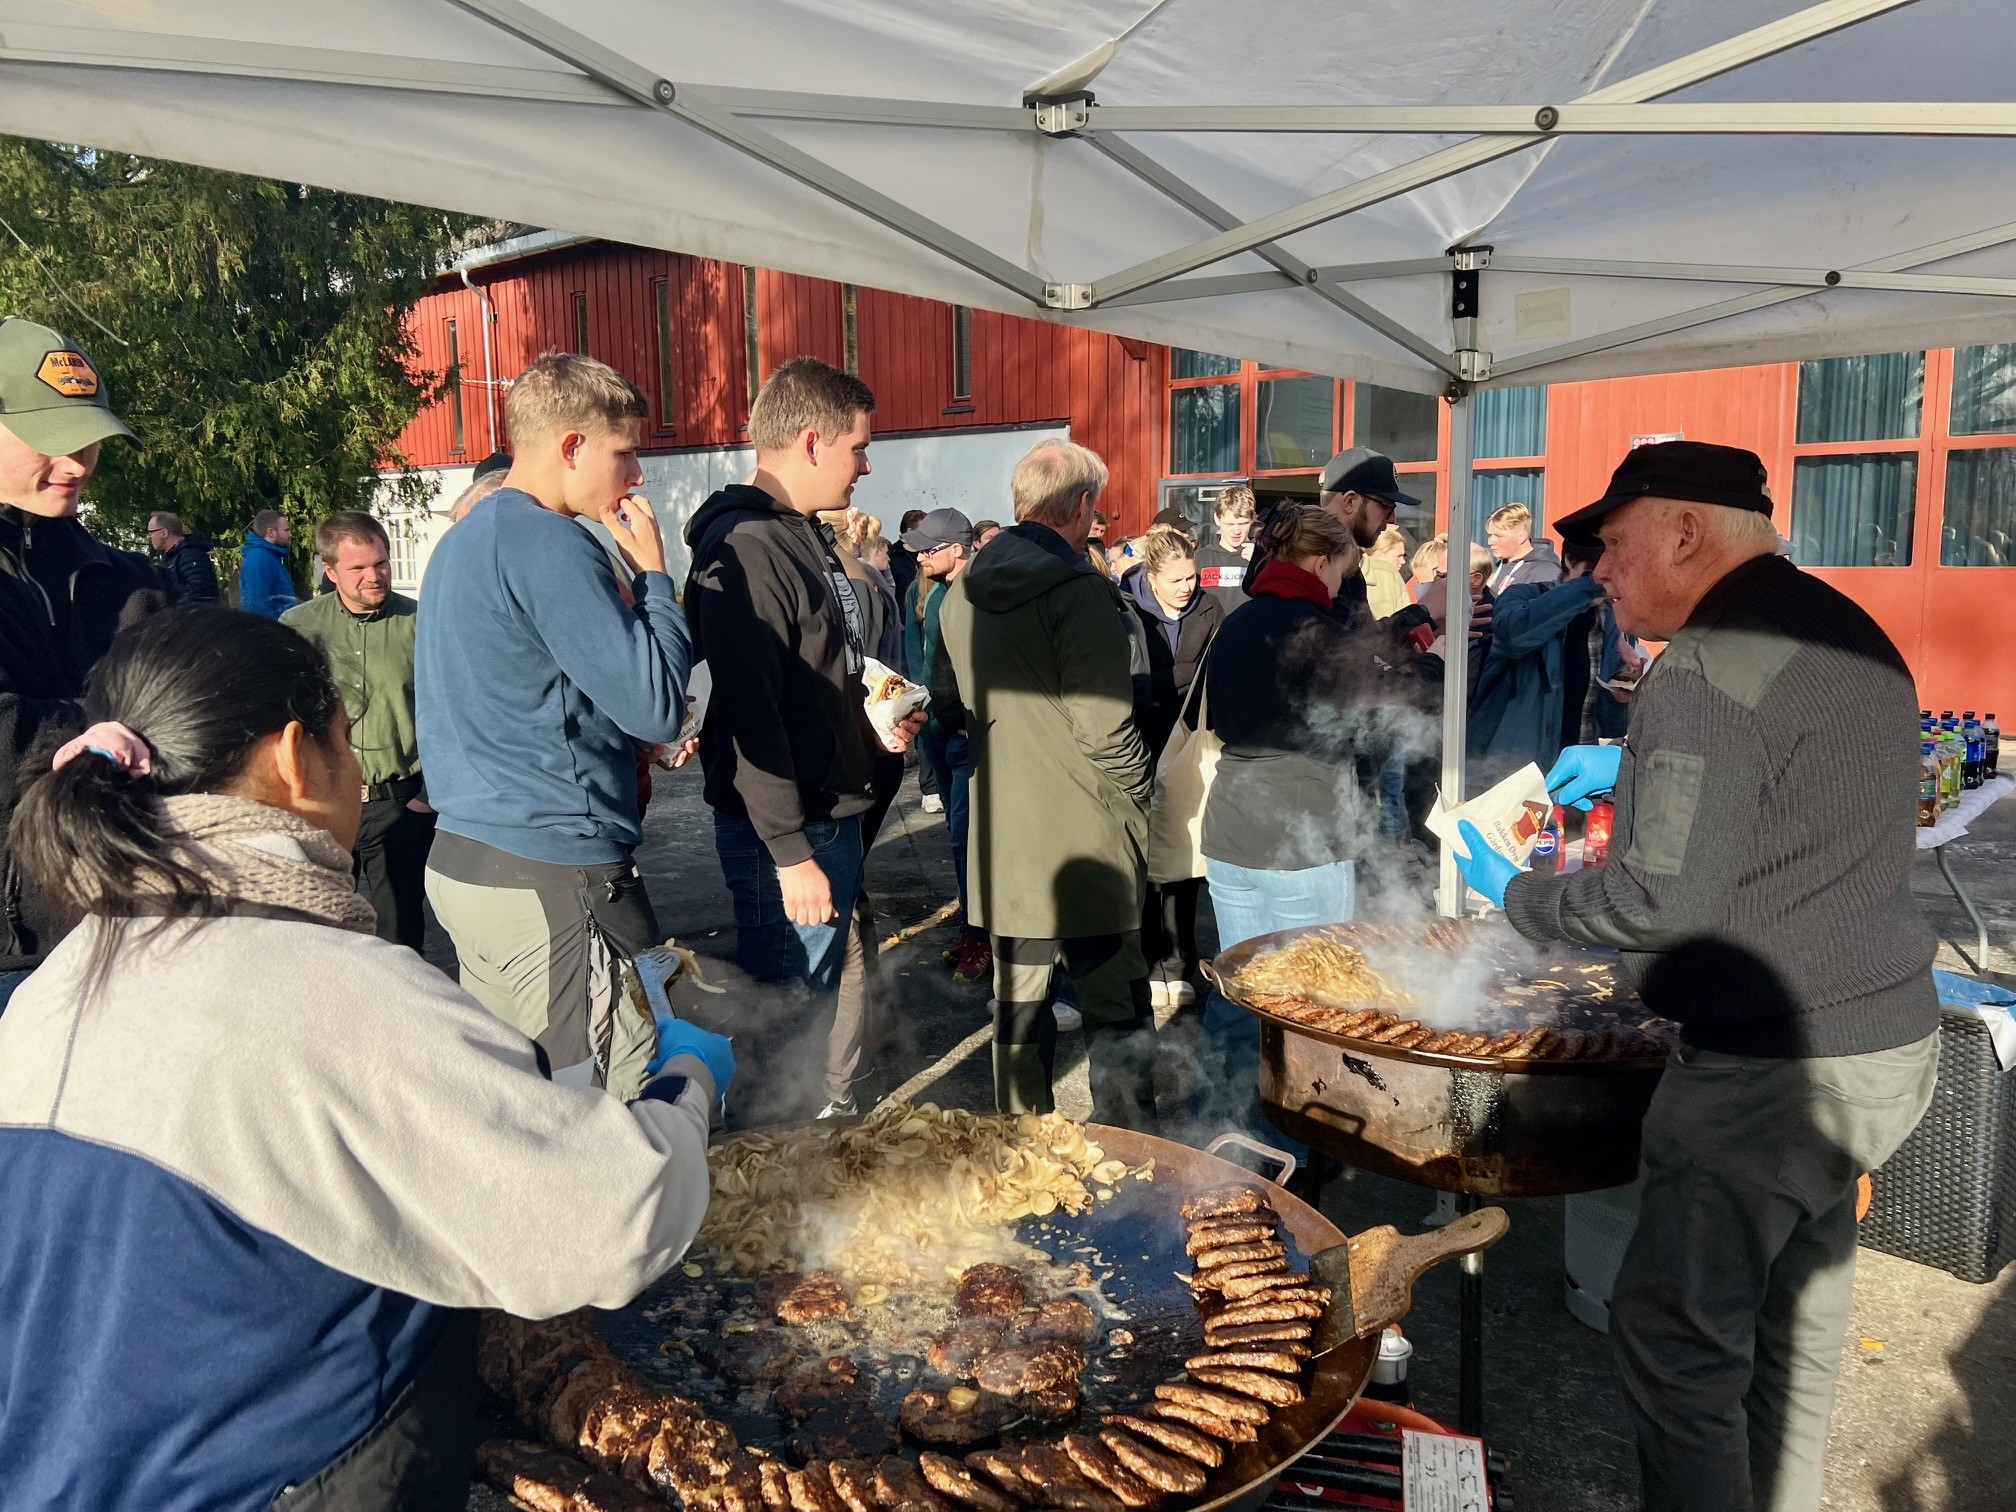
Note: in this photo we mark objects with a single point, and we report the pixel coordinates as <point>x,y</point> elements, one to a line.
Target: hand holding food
<point>634,526</point>
<point>895,706</point>
<point>1483,868</point>
<point>1583,772</point>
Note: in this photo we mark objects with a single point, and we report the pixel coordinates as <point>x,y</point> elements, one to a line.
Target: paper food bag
<point>892,698</point>
<point>1510,816</point>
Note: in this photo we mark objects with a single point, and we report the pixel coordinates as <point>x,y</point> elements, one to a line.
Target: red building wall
<point>1024,372</point>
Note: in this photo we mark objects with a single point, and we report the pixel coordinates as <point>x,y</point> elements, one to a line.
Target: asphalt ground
<point>1926,1361</point>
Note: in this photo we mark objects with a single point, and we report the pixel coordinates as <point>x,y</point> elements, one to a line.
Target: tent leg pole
<point>1456,637</point>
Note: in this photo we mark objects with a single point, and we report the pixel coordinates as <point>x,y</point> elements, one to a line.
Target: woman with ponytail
<point>258,1166</point>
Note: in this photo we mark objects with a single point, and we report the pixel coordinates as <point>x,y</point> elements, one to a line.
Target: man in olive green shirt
<point>366,631</point>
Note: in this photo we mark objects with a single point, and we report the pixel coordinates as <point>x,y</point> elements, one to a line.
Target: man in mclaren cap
<point>63,594</point>
<point>1759,888</point>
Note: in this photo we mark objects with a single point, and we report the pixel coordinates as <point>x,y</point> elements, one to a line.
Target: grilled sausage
<point>1239,1409</point>
<point>1277,1391</point>
<point>1499,1044</point>
<point>1413,1038</point>
<point>1202,1418</point>
<point>1523,1046</point>
<point>1101,1465</point>
<point>1200,1447</point>
<point>1277,1360</point>
<point>1390,1032</point>
<point>1163,1471</point>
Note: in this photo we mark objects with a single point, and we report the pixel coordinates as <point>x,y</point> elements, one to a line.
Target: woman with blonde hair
<point>1385,590</point>
<point>857,537</point>
<point>1178,621</point>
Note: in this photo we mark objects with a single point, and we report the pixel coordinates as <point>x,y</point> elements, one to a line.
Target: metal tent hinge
<point>1061,115</point>
<point>1068,296</point>
<point>1472,366</point>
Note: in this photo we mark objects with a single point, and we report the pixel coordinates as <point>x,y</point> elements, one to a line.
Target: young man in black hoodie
<point>63,594</point>
<point>787,749</point>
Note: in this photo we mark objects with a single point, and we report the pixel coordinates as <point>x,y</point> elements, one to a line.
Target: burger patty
<point>1101,1465</point>
<point>990,1291</point>
<point>1274,1309</point>
<point>1214,1277</point>
<point>1226,1404</point>
<point>854,1483</point>
<point>1203,1419</point>
<point>812,1492</point>
<point>900,1487</point>
<point>1256,1333</point>
<point>774,1476</point>
<point>950,1478</point>
<point>1061,1483</point>
<point>1234,1254</point>
<point>960,1416</point>
<point>762,1357</point>
<point>840,1429</point>
<point>1185,1441</point>
<point>1277,1360</point>
<point>1065,1319</point>
<point>1028,1367</point>
<point>1220,1201</point>
<point>1278,1391</point>
<point>1241,1287</point>
<point>956,1349</point>
<point>1163,1471</point>
<point>817,1296</point>
<point>1208,1236</point>
<point>821,1383</point>
<point>1003,1471</point>
<point>1053,1403</point>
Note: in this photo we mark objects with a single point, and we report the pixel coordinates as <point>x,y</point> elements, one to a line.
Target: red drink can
<point>1596,832</point>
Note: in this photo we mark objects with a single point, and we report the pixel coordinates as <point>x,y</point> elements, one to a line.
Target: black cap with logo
<point>1363,470</point>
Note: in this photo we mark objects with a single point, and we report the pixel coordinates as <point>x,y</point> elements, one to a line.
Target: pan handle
<point>1266,1151</point>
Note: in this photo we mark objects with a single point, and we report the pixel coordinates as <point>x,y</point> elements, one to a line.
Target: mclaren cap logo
<point>70,374</point>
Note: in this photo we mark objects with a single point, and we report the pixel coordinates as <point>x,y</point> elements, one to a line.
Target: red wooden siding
<point>1025,372</point>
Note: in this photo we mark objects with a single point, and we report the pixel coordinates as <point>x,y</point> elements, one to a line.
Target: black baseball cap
<point>1363,470</point>
<point>941,527</point>
<point>496,464</point>
<point>1698,471</point>
<point>1176,519</point>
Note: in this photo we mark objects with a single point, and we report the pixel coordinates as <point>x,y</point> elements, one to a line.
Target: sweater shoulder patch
<point>1741,662</point>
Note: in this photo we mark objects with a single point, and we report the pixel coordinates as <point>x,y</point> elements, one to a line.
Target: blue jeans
<point>768,946</point>
<point>1249,902</point>
<point>951,763</point>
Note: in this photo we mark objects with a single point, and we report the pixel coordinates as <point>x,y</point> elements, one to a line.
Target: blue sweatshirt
<point>265,586</point>
<point>534,681</point>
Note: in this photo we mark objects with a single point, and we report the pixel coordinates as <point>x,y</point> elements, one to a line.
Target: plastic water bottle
<point>1992,732</point>
<point>1977,751</point>
<point>1954,754</point>
<point>1928,786</point>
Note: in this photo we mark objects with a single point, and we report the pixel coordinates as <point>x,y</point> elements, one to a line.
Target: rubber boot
<point>1120,1063</point>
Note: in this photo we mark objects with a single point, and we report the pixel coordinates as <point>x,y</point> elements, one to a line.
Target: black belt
<point>401,788</point>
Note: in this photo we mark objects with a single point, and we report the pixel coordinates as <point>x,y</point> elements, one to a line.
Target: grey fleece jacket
<point>1759,874</point>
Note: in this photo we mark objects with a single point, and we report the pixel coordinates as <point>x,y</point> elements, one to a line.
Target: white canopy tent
<point>1434,195</point>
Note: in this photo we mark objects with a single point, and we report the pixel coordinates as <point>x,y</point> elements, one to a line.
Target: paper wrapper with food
<point>1510,816</point>
<point>892,698</point>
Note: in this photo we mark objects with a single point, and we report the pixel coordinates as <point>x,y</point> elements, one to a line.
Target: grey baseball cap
<point>51,394</point>
<point>941,527</point>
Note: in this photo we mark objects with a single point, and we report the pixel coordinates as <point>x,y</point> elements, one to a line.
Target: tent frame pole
<point>1456,631</point>
<point>1212,213</point>
<point>640,84</point>
<point>1958,246</point>
<point>1706,63</point>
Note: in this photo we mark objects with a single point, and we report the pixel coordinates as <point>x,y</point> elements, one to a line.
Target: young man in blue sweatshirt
<point>535,684</point>
<point>265,583</point>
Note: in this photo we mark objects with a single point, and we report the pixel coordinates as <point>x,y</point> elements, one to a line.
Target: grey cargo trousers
<point>1732,1302</point>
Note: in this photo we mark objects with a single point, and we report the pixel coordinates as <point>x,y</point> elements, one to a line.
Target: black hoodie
<point>787,741</point>
<point>190,569</point>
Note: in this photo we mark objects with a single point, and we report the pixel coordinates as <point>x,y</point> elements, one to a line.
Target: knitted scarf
<point>218,835</point>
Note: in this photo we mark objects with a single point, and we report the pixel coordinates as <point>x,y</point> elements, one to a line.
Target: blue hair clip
<point>112,756</point>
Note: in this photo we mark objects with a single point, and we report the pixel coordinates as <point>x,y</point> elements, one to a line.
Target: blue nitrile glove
<point>1484,869</point>
<point>677,1037</point>
<point>1582,773</point>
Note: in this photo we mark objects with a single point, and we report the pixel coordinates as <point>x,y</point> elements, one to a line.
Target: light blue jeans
<point>1248,902</point>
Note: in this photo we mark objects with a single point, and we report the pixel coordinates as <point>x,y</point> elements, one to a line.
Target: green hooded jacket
<point>1059,827</point>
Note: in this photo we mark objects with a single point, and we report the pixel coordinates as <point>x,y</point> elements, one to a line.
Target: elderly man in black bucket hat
<point>1759,888</point>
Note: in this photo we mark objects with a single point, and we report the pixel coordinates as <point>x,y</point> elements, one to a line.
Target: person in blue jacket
<point>1515,715</point>
<point>265,584</point>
